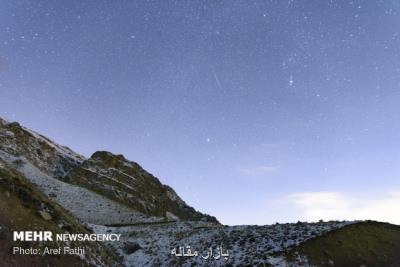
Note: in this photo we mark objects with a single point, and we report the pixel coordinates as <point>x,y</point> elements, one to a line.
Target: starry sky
<point>253,111</point>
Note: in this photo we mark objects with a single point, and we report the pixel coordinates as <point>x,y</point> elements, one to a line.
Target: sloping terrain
<point>24,207</point>
<point>246,245</point>
<point>371,244</point>
<point>128,183</point>
<point>46,186</point>
<point>49,157</point>
<point>110,189</point>
<point>84,204</point>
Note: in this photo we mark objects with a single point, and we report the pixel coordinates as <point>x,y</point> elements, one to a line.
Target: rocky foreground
<point>46,186</point>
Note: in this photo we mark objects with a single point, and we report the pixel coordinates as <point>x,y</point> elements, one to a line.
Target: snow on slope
<point>54,159</point>
<point>61,150</point>
<point>42,161</point>
<point>247,245</point>
<point>127,182</point>
<point>82,203</point>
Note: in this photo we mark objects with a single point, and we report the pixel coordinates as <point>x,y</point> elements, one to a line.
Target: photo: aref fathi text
<point>49,251</point>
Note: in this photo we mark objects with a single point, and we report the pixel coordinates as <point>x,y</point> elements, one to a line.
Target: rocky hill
<point>128,183</point>
<point>106,179</point>
<point>46,186</point>
<point>46,155</point>
<point>362,244</point>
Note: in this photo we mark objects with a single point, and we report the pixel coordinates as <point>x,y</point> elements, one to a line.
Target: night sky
<point>253,111</point>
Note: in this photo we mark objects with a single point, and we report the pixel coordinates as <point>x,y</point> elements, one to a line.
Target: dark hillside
<point>23,207</point>
<point>370,244</point>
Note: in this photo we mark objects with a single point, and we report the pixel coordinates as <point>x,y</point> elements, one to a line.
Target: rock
<point>171,217</point>
<point>130,247</point>
<point>45,215</point>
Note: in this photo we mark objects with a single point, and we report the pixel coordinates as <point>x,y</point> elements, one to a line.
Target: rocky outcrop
<point>128,183</point>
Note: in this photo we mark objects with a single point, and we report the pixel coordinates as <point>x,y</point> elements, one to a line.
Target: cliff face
<point>128,183</point>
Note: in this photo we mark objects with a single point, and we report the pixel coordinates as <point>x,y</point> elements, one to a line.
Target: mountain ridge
<point>111,176</point>
<point>42,182</point>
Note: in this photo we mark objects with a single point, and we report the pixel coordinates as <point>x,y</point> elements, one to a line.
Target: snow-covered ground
<point>61,150</point>
<point>246,245</point>
<point>86,205</point>
<point>149,241</point>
